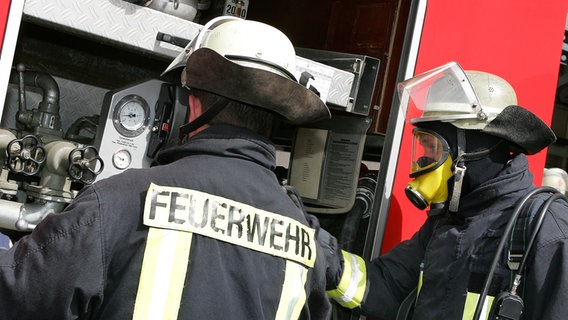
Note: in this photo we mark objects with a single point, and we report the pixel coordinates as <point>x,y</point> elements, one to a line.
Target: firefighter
<point>209,232</point>
<point>470,170</point>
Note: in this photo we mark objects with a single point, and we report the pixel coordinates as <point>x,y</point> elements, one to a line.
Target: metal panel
<point>114,21</point>
<point>363,70</point>
<point>334,85</point>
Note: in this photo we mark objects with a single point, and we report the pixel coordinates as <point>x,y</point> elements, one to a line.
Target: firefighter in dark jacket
<point>470,169</point>
<point>209,233</point>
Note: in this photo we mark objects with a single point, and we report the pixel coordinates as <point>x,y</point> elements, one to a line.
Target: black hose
<point>364,199</point>
<point>504,238</point>
<point>351,225</point>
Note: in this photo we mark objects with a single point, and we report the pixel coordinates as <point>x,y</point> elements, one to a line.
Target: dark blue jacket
<point>456,252</point>
<point>85,263</point>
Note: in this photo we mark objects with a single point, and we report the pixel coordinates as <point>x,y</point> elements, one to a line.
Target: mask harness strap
<point>459,172</point>
<point>460,168</point>
<point>203,119</point>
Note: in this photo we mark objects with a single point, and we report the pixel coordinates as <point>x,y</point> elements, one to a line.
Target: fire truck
<point>70,71</point>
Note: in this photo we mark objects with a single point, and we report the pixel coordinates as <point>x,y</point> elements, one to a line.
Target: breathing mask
<point>431,169</point>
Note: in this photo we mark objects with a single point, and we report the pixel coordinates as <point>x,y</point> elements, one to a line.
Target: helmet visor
<point>443,93</point>
<point>196,42</point>
<point>429,151</point>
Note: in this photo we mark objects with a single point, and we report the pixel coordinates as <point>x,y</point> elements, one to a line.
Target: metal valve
<point>85,164</point>
<point>26,155</point>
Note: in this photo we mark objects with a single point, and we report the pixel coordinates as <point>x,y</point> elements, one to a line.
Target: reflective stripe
<point>471,304</point>
<point>420,279</point>
<point>351,289</point>
<point>163,274</point>
<point>293,295</point>
<point>230,221</point>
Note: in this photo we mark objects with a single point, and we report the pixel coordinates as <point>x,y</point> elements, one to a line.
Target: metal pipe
<point>49,104</point>
<point>10,214</point>
<point>45,82</point>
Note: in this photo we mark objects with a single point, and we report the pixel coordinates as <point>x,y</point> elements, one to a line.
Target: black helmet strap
<point>203,119</point>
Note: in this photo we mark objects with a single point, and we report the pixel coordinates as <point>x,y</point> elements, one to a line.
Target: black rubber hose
<point>502,243</point>
<point>364,199</point>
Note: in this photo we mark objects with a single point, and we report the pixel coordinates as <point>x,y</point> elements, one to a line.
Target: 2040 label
<point>237,8</point>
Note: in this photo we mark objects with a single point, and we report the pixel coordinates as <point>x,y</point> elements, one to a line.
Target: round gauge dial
<point>131,116</point>
<point>121,159</point>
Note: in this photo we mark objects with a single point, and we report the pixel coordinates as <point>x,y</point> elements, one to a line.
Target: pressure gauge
<point>131,116</point>
<point>121,159</point>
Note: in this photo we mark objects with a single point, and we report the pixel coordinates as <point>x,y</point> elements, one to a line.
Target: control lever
<point>83,164</point>
<point>25,155</point>
<point>176,41</point>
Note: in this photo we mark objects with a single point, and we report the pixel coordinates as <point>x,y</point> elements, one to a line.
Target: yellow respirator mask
<point>431,169</point>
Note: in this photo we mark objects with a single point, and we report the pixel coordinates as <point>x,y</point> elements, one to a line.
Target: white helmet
<point>233,40</point>
<point>474,100</point>
<point>493,94</point>
<point>250,62</point>
<point>244,42</point>
<point>467,99</point>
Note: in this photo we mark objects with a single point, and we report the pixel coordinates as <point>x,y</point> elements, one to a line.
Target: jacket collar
<point>225,141</point>
<point>499,194</point>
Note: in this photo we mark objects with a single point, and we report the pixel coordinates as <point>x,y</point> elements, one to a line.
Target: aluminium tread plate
<point>124,24</point>
<point>113,21</point>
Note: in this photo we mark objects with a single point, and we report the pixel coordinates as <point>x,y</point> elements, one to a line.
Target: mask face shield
<point>429,151</point>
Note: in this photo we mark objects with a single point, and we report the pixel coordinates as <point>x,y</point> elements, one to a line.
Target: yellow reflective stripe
<point>471,304</point>
<point>293,295</point>
<point>163,273</point>
<point>420,282</point>
<point>230,221</point>
<point>351,289</point>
